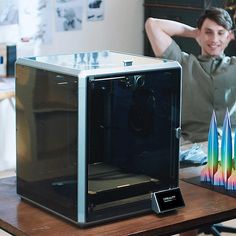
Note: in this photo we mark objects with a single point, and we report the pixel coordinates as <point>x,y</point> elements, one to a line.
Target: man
<point>209,80</point>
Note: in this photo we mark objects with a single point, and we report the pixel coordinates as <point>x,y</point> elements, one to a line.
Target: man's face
<point>213,38</point>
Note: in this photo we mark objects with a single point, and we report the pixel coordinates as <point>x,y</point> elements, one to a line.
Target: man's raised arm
<point>160,31</point>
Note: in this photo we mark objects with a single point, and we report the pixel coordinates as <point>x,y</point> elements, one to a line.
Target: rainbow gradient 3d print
<point>220,171</point>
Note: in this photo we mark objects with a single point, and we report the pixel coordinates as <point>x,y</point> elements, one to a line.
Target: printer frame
<point>95,140</point>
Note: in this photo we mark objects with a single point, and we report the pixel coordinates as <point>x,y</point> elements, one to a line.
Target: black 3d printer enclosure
<point>97,133</point>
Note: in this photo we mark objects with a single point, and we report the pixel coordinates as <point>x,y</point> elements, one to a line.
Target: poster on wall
<point>95,10</point>
<point>69,15</point>
<point>8,12</point>
<point>34,21</point>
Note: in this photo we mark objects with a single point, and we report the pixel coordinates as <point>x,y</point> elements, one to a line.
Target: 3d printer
<point>97,133</point>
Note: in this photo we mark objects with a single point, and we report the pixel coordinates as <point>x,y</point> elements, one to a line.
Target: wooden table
<point>203,207</point>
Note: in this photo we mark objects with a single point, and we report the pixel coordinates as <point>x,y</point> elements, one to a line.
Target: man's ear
<point>231,35</point>
<point>229,38</point>
<point>198,36</point>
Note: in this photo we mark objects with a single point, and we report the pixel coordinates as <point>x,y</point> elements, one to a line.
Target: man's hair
<point>218,15</point>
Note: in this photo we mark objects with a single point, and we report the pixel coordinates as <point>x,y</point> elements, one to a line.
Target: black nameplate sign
<point>167,200</point>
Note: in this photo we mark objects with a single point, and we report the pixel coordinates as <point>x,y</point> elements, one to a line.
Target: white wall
<point>121,30</point>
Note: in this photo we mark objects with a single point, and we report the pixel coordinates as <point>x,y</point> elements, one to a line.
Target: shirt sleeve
<point>173,52</point>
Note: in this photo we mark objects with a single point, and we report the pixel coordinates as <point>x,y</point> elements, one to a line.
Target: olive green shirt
<point>207,84</point>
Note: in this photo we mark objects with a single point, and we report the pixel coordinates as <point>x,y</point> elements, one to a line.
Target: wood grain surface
<point>203,207</point>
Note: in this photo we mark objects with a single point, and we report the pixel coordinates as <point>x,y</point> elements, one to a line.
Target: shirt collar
<point>210,58</point>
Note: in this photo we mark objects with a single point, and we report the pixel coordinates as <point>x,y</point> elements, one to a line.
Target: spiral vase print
<point>226,149</point>
<point>213,147</point>
<point>220,172</point>
<point>208,172</point>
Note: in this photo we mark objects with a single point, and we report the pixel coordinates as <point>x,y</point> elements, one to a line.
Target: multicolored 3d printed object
<point>220,172</point>
<point>226,150</point>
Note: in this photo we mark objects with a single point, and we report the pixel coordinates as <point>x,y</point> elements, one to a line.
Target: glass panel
<point>47,139</point>
<point>132,143</point>
<point>93,60</point>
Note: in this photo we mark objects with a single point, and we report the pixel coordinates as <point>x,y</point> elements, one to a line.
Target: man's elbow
<point>149,24</point>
